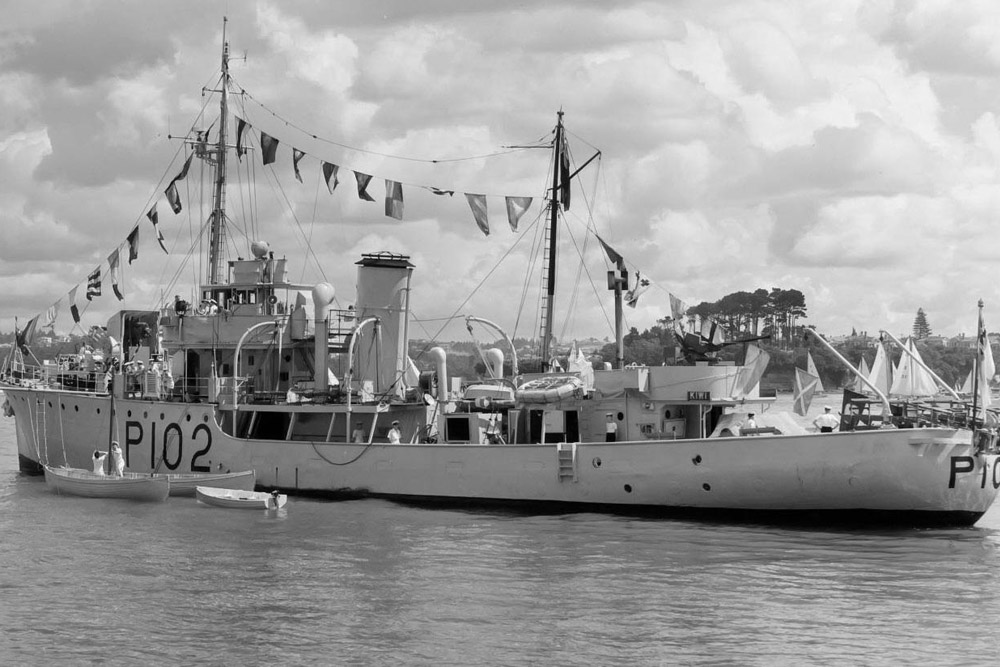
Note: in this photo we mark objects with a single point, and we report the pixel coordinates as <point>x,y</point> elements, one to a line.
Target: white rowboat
<point>87,484</point>
<point>184,483</point>
<point>235,499</point>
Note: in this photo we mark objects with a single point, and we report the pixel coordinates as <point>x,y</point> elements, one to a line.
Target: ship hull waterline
<point>924,476</point>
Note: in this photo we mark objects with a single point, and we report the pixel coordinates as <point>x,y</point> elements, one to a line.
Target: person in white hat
<point>826,422</point>
<point>394,433</point>
<point>117,460</point>
<point>610,427</point>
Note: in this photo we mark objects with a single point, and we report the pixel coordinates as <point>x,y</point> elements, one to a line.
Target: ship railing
<point>53,375</point>
<point>339,325</point>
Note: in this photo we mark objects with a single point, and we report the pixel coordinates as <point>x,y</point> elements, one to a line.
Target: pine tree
<point>921,329</point>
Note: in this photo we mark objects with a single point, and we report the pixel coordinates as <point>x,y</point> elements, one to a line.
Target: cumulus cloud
<point>846,150</point>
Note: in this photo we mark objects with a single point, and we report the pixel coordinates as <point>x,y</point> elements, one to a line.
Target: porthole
<point>145,415</point>
<point>98,411</point>
<point>162,417</point>
<point>129,413</point>
<point>76,408</point>
<point>188,418</point>
<point>204,418</point>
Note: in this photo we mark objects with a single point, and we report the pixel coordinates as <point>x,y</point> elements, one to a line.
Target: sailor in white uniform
<point>117,459</point>
<point>826,422</point>
<point>99,462</point>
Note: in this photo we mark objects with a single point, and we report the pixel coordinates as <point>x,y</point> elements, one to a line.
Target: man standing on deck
<point>359,433</point>
<point>827,421</point>
<point>610,428</point>
<point>394,433</point>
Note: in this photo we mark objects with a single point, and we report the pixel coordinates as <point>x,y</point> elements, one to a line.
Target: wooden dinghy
<point>232,498</point>
<point>87,484</point>
<point>185,483</point>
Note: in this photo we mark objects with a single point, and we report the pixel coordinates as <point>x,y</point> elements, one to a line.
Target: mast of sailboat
<point>217,227</point>
<point>550,278</point>
<point>980,335</point>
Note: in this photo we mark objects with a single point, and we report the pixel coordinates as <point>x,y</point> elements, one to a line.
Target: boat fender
<point>7,410</point>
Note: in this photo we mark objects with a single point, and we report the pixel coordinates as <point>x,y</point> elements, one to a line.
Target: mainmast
<point>560,165</point>
<point>217,230</point>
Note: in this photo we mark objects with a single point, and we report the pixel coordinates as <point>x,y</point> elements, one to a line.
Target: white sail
<point>911,378</point>
<point>967,387</point>
<point>811,369</point>
<point>881,372</point>
<point>858,385</point>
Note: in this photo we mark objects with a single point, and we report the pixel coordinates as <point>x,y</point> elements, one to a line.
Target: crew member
<point>117,459</point>
<point>99,457</point>
<point>394,433</point>
<point>827,421</point>
<point>359,433</point>
<point>750,422</point>
<point>610,427</point>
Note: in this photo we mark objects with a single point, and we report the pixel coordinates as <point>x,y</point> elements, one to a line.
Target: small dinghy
<point>184,483</point>
<point>88,484</point>
<point>233,498</point>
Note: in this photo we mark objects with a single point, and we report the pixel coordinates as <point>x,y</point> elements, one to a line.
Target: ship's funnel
<point>384,292</point>
<point>440,359</point>
<point>494,358</point>
<point>322,295</point>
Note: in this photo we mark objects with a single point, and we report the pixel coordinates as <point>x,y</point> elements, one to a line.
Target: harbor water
<point>370,582</point>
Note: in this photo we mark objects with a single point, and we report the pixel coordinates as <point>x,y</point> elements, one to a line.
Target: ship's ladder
<point>543,318</point>
<point>566,457</point>
<point>39,428</point>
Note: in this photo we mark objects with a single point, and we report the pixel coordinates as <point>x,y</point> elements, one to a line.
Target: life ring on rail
<point>272,299</point>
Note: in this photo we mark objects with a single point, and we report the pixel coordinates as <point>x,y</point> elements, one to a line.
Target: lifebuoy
<point>272,299</point>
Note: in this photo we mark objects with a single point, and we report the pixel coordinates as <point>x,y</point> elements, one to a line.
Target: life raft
<point>550,389</point>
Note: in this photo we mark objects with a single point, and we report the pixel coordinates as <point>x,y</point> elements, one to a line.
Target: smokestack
<point>384,292</point>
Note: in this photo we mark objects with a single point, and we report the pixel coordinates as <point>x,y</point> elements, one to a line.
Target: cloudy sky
<point>849,150</point>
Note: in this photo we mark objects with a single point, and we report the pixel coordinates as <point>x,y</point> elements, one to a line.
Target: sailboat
<point>968,386</point>
<point>242,382</point>
<point>864,371</point>
<point>88,484</point>
<point>880,375</point>
<point>910,378</point>
<point>100,484</point>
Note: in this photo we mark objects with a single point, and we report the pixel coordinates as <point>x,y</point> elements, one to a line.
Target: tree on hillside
<point>920,327</point>
<point>758,313</point>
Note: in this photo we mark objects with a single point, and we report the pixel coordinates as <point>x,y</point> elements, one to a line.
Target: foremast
<point>217,228</point>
